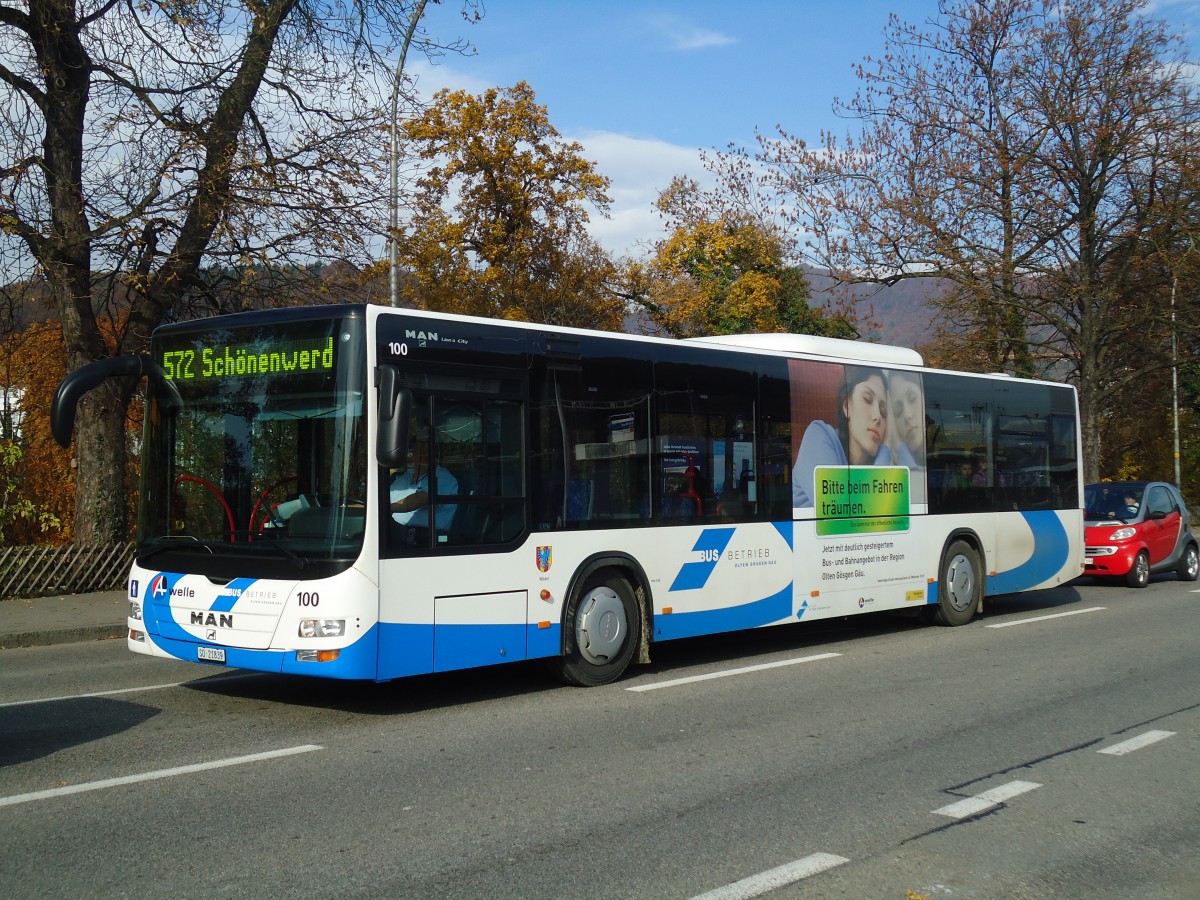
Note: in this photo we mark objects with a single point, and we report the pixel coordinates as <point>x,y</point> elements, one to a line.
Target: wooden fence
<point>42,571</point>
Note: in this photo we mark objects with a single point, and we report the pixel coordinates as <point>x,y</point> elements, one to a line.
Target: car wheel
<point>1189,564</point>
<point>1139,575</point>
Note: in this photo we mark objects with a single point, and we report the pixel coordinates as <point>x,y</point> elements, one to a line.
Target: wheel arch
<point>970,536</point>
<point>629,568</point>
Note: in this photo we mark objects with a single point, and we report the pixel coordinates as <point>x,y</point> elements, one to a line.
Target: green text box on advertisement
<point>861,499</point>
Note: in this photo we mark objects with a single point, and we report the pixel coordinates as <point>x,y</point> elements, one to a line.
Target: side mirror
<point>395,409</point>
<point>85,378</point>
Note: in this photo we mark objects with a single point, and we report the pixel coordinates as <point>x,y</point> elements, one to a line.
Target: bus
<point>363,492</point>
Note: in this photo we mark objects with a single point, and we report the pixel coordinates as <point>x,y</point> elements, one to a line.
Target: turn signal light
<point>317,655</point>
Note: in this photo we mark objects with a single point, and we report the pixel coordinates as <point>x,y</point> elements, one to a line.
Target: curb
<point>49,637</point>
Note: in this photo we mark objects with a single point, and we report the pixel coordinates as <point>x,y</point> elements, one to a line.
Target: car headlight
<point>322,628</point>
<point>1123,534</point>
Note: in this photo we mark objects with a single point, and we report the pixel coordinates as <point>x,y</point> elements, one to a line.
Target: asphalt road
<point>1050,749</point>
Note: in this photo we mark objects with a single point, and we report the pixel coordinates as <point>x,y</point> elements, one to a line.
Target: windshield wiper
<point>292,557</point>
<point>169,542</point>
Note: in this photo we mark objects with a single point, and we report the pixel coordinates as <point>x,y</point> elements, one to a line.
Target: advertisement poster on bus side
<point>859,477</point>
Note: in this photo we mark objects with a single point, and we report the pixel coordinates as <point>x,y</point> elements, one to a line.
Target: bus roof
<point>819,346</point>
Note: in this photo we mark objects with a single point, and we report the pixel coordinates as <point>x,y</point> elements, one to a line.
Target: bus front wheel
<point>602,626</point>
<point>960,588</point>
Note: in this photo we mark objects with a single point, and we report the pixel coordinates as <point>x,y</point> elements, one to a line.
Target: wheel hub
<point>601,626</point>
<point>961,583</point>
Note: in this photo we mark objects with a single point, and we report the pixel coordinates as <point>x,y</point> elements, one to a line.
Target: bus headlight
<point>135,610</point>
<point>322,628</point>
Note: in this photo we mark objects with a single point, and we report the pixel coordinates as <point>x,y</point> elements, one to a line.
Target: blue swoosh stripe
<point>733,618</point>
<point>1051,547</point>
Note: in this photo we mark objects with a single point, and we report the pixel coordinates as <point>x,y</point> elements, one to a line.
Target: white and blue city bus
<point>587,494</point>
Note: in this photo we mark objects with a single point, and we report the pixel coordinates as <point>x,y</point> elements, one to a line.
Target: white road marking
<point>132,690</point>
<point>708,676</point>
<point>1137,743</point>
<point>154,776</point>
<point>1074,612</point>
<point>972,806</point>
<point>772,879</point>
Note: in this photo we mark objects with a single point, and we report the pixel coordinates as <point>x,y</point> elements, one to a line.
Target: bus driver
<point>409,494</point>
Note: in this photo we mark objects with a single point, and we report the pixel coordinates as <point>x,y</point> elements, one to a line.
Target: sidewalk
<point>62,620</point>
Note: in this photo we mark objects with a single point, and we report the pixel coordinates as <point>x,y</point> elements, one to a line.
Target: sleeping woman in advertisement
<point>860,438</point>
<point>907,423</point>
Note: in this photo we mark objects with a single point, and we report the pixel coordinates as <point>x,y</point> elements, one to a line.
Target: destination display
<point>257,357</point>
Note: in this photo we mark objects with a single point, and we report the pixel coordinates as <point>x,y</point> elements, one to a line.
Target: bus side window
<point>591,454</point>
<point>706,441</point>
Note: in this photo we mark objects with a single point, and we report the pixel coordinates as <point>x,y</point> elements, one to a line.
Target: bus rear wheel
<point>602,626</point>
<point>960,588</point>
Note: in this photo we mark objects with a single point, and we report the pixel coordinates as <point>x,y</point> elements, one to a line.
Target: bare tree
<point>1025,150</point>
<point>149,141</point>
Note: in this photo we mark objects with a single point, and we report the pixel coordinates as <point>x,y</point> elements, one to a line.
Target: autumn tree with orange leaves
<point>720,270</point>
<point>37,483</point>
<point>498,228</point>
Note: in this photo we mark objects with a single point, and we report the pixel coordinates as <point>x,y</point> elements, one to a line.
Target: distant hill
<point>902,311</point>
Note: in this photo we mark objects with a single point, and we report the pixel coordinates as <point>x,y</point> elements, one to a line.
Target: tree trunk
<point>101,495</point>
<point>1089,424</point>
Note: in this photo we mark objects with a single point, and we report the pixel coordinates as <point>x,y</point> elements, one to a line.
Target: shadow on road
<point>425,692</point>
<point>34,730</point>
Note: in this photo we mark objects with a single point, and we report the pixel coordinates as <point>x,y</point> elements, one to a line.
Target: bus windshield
<point>256,461</point>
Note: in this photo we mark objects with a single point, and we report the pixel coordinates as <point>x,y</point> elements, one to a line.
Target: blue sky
<point>645,86</point>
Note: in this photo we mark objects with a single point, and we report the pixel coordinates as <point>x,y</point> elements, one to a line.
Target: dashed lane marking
<point>708,676</point>
<point>1137,743</point>
<point>154,776</point>
<point>133,690</point>
<point>773,879</point>
<point>1074,612</point>
<point>973,806</point>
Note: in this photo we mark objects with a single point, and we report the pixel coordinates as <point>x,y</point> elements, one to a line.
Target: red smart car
<point>1138,528</point>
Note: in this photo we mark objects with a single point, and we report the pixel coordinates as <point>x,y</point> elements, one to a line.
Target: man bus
<point>585,495</point>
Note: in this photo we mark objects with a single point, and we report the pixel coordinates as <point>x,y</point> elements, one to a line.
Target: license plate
<point>1087,560</point>
<point>211,654</point>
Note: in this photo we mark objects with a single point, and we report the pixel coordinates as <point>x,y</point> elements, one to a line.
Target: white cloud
<point>433,77</point>
<point>682,35</point>
<point>639,168</point>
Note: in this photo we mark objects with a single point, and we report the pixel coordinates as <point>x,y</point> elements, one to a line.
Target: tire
<point>960,588</point>
<point>602,627</point>
<point>1189,564</point>
<point>1139,572</point>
